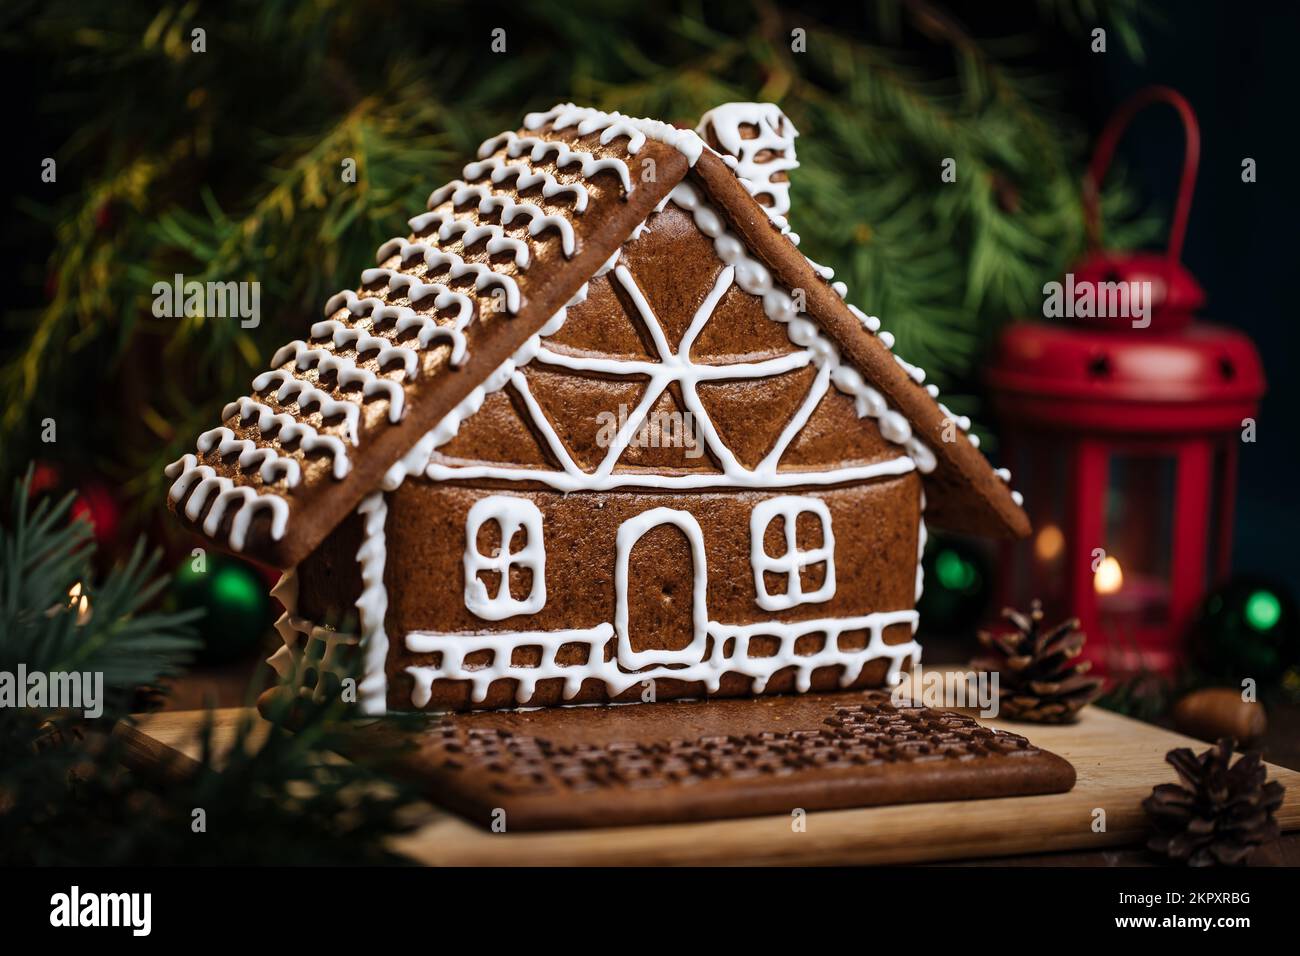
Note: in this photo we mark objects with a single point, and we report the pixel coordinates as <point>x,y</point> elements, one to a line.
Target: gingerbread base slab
<point>676,761</point>
<point>1118,760</point>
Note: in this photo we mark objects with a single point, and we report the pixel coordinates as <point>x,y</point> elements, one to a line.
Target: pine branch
<point>278,799</point>
<point>43,557</point>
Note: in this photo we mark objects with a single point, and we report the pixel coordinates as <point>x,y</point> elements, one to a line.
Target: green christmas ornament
<point>237,609</point>
<point>1247,628</point>
<point>957,585</point>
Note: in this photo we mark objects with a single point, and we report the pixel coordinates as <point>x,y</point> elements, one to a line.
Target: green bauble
<point>957,586</point>
<point>1247,628</point>
<point>236,606</point>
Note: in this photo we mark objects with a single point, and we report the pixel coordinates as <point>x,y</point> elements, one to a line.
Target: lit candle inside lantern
<point>1109,576</point>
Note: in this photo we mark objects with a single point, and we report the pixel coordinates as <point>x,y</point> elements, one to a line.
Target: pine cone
<point>1036,680</point>
<point>1223,814</point>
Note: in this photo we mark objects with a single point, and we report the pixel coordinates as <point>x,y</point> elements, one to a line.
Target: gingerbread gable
<point>671,375</point>
<point>452,352</point>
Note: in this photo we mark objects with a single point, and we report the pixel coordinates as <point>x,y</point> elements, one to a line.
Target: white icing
<point>510,514</point>
<point>921,536</point>
<point>792,561</point>
<point>914,372</point>
<point>526,176</point>
<point>469,232</point>
<point>614,125</point>
<point>399,283</point>
<point>674,366</point>
<point>456,647</point>
<point>348,371</point>
<point>271,467</point>
<point>287,429</point>
<point>629,533</point>
<point>436,258</point>
<point>730,655</point>
<point>961,421</point>
<point>753,277</point>
<point>372,605</point>
<point>430,329</point>
<point>417,459</point>
<point>240,500</point>
<point>696,662</point>
<point>565,482</point>
<point>537,148</point>
<point>1005,475</point>
<point>289,389</point>
<point>774,132</point>
<point>306,356</point>
<point>450,227</point>
<point>727,120</point>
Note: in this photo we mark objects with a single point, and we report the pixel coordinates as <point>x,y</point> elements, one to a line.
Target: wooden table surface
<point>1118,761</point>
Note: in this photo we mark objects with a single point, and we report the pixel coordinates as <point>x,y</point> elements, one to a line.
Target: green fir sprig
<point>269,796</point>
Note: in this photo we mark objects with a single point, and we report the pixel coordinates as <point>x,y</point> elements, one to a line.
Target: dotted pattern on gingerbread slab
<point>855,735</point>
<point>864,751</point>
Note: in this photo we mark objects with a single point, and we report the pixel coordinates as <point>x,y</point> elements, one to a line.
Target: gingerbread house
<point>594,430</point>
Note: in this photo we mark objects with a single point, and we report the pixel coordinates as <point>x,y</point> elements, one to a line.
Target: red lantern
<point>1123,432</point>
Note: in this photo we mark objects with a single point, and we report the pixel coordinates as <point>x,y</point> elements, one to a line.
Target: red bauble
<point>97,505</point>
<point>45,477</point>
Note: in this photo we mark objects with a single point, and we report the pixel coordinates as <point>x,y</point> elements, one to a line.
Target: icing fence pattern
<point>730,654</point>
<point>306,646</point>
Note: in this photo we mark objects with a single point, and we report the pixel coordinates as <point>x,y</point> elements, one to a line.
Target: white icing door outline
<point>629,533</point>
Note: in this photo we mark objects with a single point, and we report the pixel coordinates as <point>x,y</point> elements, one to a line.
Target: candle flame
<point>79,602</point>
<point>1109,576</point>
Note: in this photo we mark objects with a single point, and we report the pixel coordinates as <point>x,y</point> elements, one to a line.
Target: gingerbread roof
<point>497,255</point>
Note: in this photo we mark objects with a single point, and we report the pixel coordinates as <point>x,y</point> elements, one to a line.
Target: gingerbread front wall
<point>691,604</point>
<point>875,534</point>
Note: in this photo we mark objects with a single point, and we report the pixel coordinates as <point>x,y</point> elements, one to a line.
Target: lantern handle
<point>1105,151</point>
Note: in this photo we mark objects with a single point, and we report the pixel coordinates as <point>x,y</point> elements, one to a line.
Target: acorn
<point>1220,712</point>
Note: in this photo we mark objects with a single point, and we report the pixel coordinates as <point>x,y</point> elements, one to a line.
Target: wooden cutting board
<point>1118,761</point>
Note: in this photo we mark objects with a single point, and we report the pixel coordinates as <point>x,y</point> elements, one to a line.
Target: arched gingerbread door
<point>661,616</point>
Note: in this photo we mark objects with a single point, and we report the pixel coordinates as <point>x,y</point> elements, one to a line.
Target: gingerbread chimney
<point>760,138</point>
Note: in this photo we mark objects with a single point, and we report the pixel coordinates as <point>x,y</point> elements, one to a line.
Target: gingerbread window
<point>792,550</point>
<point>505,558</point>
